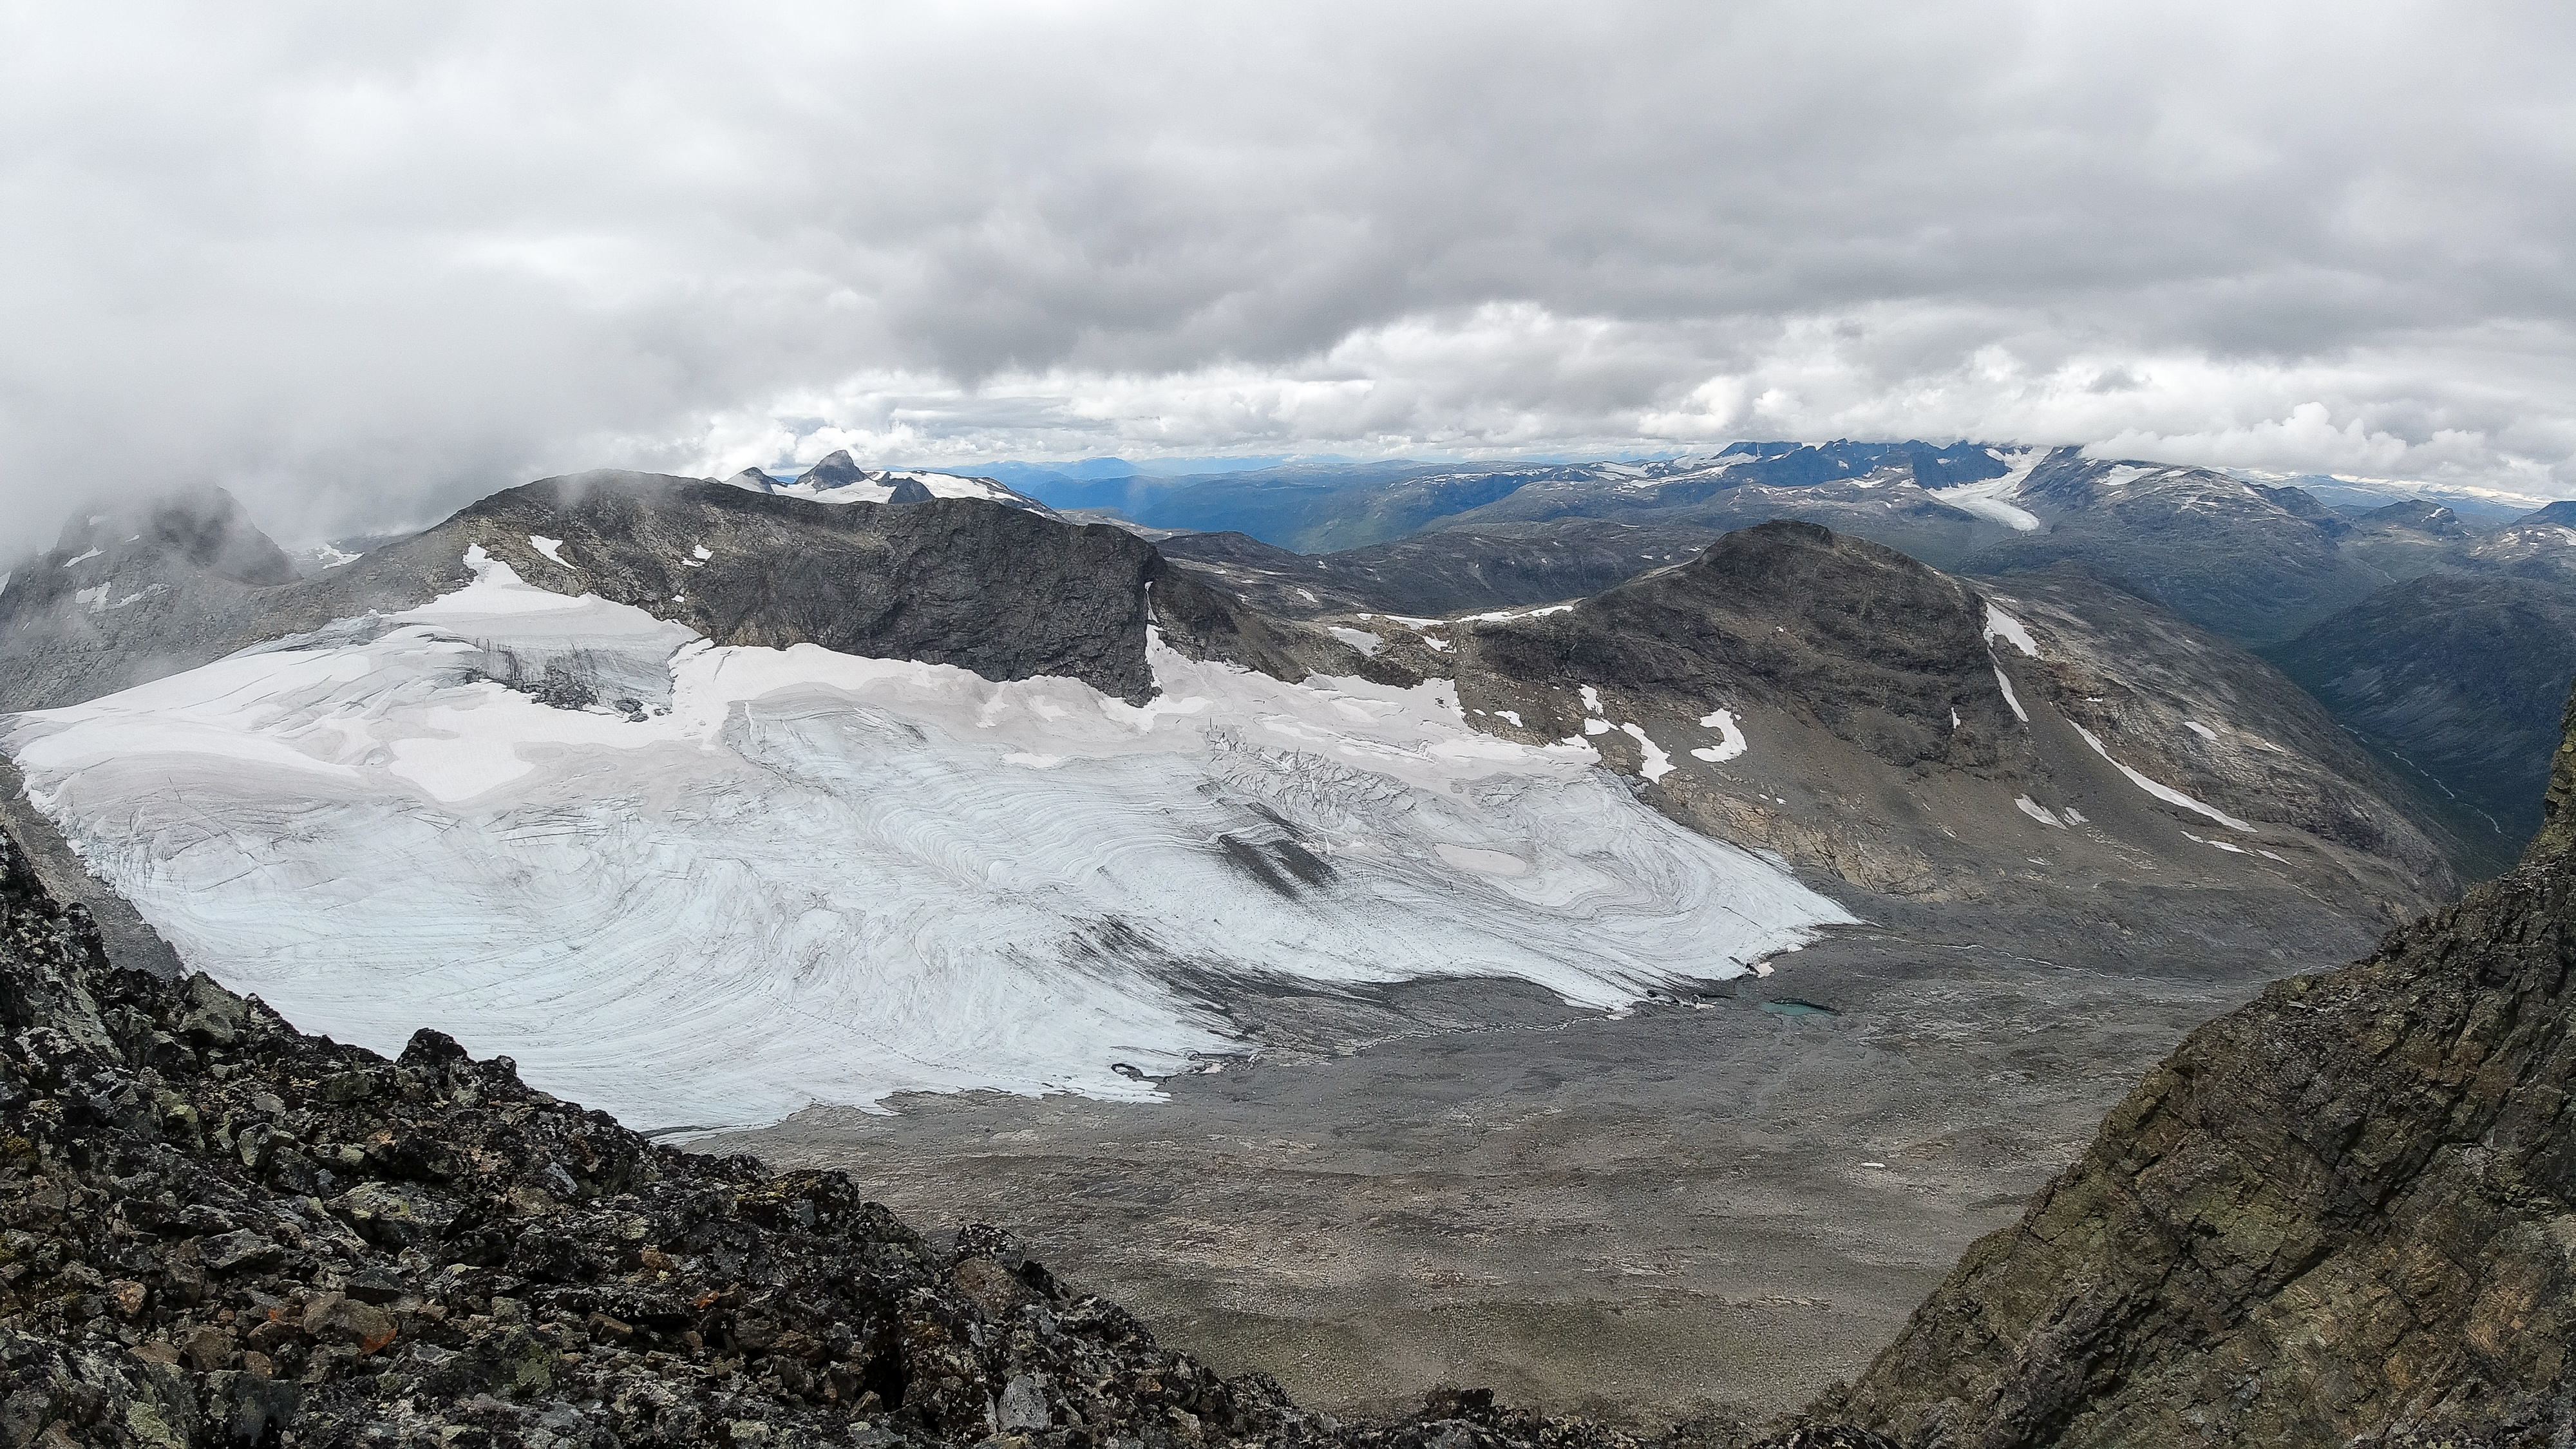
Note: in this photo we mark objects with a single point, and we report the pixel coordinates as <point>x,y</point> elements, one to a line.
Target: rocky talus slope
<point>2343,1214</point>
<point>220,1231</point>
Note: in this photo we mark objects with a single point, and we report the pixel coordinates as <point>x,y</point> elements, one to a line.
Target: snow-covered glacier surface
<point>790,876</point>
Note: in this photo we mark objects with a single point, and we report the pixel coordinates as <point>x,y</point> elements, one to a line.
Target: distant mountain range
<point>2331,578</point>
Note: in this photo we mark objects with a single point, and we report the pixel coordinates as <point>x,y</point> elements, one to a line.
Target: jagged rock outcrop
<point>222,1232</point>
<point>2343,1214</point>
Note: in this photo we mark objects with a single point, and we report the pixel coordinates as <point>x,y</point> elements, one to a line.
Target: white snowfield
<point>808,877</point>
<point>1988,498</point>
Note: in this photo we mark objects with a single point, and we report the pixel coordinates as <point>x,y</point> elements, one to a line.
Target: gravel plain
<point>1696,1206</point>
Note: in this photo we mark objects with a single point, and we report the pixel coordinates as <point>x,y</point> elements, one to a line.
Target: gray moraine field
<point>1697,1205</point>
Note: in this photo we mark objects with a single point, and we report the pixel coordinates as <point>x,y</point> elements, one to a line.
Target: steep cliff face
<point>2344,1213</point>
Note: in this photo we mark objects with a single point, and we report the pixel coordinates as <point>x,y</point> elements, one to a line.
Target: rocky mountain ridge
<point>2266,564</point>
<point>1002,590</point>
<point>1451,571</point>
<point>1913,733</point>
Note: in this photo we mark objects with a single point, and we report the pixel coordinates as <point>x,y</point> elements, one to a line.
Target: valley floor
<point>1645,1217</point>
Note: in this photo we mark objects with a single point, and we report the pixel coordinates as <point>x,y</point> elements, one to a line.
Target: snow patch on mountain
<point>1657,764</point>
<point>1730,737</point>
<point>792,876</point>
<point>2160,790</point>
<point>2003,681</point>
<point>2000,625</point>
<point>1989,497</point>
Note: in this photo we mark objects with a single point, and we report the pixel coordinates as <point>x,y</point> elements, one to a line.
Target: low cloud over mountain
<point>363,269</point>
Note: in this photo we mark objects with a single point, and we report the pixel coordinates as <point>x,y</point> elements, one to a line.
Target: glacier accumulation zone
<point>797,876</point>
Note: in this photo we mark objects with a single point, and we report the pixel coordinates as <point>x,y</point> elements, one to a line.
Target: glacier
<point>768,878</point>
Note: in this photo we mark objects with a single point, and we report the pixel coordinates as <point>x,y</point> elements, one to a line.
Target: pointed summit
<point>837,470</point>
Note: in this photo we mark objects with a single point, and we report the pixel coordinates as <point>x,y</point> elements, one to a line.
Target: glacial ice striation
<point>747,879</point>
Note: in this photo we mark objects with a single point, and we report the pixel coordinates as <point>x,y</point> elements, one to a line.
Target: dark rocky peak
<point>2300,503</point>
<point>840,470</point>
<point>200,531</point>
<point>2338,1215</point>
<point>836,470</point>
<point>1916,734</point>
<point>1877,648</point>
<point>2561,514</point>
<point>998,590</point>
<point>1230,547</point>
<point>1846,591</point>
<point>1003,592</point>
<point>2418,515</point>
<point>129,590</point>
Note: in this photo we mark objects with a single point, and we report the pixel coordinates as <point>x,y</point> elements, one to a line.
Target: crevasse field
<point>803,876</point>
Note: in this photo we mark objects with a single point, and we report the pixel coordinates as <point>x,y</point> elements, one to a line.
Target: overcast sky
<point>365,263</point>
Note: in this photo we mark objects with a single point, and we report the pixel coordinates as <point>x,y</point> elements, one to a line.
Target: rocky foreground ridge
<point>2344,1214</point>
<point>220,1231</point>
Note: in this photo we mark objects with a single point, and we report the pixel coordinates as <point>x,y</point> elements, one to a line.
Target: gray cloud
<point>363,266</point>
